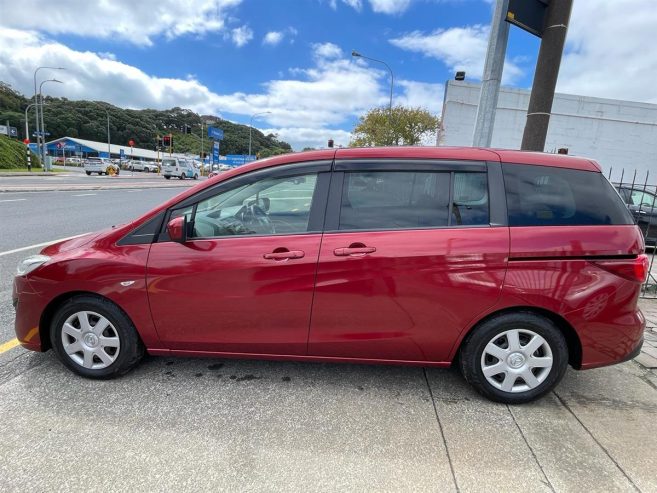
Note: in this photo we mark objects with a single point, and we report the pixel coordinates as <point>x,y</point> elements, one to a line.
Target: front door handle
<point>284,255</point>
<point>355,251</point>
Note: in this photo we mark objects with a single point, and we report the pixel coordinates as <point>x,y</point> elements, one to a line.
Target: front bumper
<point>29,306</point>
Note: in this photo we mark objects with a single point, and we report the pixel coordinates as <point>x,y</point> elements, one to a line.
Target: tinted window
<point>404,200</point>
<point>470,205</point>
<point>546,196</point>
<point>266,207</point>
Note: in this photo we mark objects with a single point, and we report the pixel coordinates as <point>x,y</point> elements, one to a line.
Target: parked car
<point>642,203</point>
<point>511,265</point>
<point>100,165</point>
<point>178,168</point>
<point>145,166</point>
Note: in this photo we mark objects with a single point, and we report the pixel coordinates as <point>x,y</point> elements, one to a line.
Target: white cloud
<point>241,35</point>
<point>331,93</point>
<point>135,22</point>
<point>423,95</point>
<point>460,48</point>
<point>609,50</point>
<point>273,38</point>
<point>326,50</point>
<point>390,6</point>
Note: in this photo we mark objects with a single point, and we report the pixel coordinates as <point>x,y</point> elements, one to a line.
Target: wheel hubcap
<point>90,340</point>
<point>516,360</point>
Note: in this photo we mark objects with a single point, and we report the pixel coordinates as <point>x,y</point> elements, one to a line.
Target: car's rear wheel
<point>94,338</point>
<point>146,170</point>
<point>182,176</point>
<point>167,177</point>
<point>196,177</point>
<point>88,173</point>
<point>514,357</point>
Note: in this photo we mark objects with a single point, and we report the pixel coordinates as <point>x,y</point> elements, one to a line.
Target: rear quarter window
<point>547,196</point>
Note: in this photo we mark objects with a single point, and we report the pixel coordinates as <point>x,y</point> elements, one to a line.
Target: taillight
<point>635,269</point>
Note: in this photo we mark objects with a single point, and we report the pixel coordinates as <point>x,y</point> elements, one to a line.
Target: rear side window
<point>547,196</point>
<point>407,200</point>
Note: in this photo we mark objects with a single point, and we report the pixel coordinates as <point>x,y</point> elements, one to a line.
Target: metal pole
<point>492,78</point>
<point>109,152</point>
<point>251,126</point>
<point>27,127</point>
<point>40,138</point>
<point>201,155</point>
<point>355,53</point>
<point>557,18</point>
<point>43,127</point>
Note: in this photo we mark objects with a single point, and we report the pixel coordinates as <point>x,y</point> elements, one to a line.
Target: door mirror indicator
<point>176,229</point>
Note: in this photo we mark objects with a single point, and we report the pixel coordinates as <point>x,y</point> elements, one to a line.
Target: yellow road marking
<point>6,346</point>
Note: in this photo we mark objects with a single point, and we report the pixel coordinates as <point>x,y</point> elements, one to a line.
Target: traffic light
<point>166,140</point>
<point>188,129</point>
<point>330,143</point>
<point>158,145</point>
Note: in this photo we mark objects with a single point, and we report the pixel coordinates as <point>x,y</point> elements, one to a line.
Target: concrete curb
<point>33,173</point>
<point>75,188</point>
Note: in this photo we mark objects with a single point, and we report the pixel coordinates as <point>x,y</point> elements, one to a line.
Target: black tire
<point>182,176</point>
<point>146,170</point>
<point>470,358</point>
<point>130,353</point>
<point>196,177</point>
<point>88,173</point>
<point>167,177</point>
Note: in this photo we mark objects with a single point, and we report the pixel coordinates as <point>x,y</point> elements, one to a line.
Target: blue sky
<point>292,57</point>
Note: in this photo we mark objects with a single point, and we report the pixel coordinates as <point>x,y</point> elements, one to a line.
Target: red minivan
<point>510,264</point>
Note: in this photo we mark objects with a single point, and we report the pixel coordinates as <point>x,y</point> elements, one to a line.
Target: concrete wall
<point>615,133</point>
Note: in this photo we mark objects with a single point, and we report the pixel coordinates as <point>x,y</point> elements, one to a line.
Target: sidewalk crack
<point>442,433</point>
<point>538,463</point>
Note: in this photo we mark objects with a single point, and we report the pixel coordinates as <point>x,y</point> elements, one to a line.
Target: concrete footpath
<point>648,356</point>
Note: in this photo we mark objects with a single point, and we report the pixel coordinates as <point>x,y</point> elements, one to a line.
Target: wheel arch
<point>54,305</point>
<point>570,334</point>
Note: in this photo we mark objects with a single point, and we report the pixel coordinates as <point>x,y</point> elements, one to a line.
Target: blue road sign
<point>34,134</point>
<point>215,152</point>
<point>238,159</point>
<point>13,132</point>
<point>121,153</point>
<point>215,133</point>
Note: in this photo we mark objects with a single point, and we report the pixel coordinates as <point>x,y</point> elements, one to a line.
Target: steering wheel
<point>256,219</point>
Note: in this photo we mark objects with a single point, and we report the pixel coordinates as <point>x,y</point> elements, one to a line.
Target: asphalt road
<point>76,179</point>
<point>211,424</point>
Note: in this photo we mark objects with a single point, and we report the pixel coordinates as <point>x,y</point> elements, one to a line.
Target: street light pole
<point>251,126</point>
<point>27,127</point>
<point>40,138</point>
<point>356,54</point>
<point>43,127</point>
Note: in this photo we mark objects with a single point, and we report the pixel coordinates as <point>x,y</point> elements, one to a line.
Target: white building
<point>618,134</point>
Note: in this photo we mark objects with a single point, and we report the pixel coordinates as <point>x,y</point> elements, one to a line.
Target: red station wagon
<point>512,265</point>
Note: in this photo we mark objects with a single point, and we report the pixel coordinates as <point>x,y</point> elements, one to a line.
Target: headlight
<point>30,263</point>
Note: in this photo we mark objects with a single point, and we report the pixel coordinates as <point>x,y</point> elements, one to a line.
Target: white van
<point>100,165</point>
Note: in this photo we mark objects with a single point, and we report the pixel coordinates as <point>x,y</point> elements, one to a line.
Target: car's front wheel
<point>94,338</point>
<point>167,177</point>
<point>514,357</point>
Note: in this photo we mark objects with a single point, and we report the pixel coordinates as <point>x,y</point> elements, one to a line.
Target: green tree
<point>405,126</point>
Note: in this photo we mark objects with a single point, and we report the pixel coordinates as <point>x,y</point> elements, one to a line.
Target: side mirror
<point>176,229</point>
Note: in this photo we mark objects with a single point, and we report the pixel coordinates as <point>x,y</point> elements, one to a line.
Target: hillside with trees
<point>88,120</point>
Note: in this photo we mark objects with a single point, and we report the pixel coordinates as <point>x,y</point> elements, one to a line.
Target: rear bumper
<point>618,345</point>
